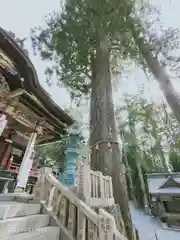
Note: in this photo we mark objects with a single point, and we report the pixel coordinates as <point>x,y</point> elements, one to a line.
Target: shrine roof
<point>26,77</point>
<point>166,184</point>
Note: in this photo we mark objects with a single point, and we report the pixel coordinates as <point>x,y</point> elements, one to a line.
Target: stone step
<point>45,233</point>
<point>17,225</point>
<point>19,197</point>
<point>11,209</point>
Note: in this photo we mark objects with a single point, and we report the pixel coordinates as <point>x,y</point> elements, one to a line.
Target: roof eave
<point>26,68</point>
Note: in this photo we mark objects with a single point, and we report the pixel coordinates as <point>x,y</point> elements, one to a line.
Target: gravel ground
<point>148,226</point>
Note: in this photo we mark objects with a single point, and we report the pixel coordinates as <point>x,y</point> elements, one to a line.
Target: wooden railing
<point>76,219</point>
<point>95,188</point>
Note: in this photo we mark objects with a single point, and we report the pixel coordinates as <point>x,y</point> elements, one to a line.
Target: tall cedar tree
<point>82,40</point>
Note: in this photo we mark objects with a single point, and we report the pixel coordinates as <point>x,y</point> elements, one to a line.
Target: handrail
<point>74,199</point>
<point>76,219</point>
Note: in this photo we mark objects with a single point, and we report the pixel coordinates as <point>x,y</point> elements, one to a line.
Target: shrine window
<point>172,206</point>
<point>17,155</point>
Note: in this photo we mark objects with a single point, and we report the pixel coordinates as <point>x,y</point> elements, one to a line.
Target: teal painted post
<point>68,178</point>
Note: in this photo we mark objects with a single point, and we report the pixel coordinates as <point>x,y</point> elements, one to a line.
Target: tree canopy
<point>71,35</point>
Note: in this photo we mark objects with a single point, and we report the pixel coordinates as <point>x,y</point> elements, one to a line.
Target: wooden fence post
<point>39,188</point>
<point>107,226</point>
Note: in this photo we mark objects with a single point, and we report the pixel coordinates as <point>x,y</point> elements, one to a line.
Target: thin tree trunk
<point>106,158</point>
<point>143,187</point>
<point>128,173</point>
<point>128,170</point>
<point>172,97</point>
<point>138,165</point>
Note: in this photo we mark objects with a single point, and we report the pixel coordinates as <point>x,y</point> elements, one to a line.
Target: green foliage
<point>174,160</point>
<point>143,122</point>
<point>71,36</point>
<point>52,153</point>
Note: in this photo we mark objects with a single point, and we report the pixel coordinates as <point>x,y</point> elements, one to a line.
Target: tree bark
<point>106,158</point>
<point>143,187</point>
<point>129,178</point>
<point>172,97</point>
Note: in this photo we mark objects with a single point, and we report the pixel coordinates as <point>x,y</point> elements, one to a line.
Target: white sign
<point>26,163</point>
<point>3,122</point>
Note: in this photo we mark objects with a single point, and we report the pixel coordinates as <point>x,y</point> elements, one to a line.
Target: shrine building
<point>164,191</point>
<point>28,115</point>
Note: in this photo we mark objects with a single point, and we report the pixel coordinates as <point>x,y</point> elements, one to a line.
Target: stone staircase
<point>20,219</point>
<point>54,211</point>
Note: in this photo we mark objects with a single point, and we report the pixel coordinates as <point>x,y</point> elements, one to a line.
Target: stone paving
<point>148,226</point>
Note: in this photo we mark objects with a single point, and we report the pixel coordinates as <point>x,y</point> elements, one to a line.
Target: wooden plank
<point>63,217</point>
<point>92,231</point>
<point>16,93</point>
<point>81,228</point>
<point>72,218</point>
<point>19,117</point>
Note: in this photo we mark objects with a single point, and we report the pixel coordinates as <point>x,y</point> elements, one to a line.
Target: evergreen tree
<point>87,40</point>
<point>82,40</point>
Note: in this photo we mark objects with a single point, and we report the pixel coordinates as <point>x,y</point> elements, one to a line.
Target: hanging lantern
<point>97,147</point>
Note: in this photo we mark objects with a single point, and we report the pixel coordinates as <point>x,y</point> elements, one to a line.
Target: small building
<point>164,190</point>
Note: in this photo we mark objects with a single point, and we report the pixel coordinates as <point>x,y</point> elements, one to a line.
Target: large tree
<point>157,55</point>
<point>154,51</point>
<point>82,41</point>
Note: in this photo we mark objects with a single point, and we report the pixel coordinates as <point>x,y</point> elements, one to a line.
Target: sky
<point>20,16</point>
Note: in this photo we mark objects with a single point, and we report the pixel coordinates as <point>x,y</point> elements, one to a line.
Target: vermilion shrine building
<point>28,116</point>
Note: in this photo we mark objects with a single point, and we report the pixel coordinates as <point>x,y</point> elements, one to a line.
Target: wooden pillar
<point>9,163</point>
<point>5,144</point>
<point>6,155</point>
